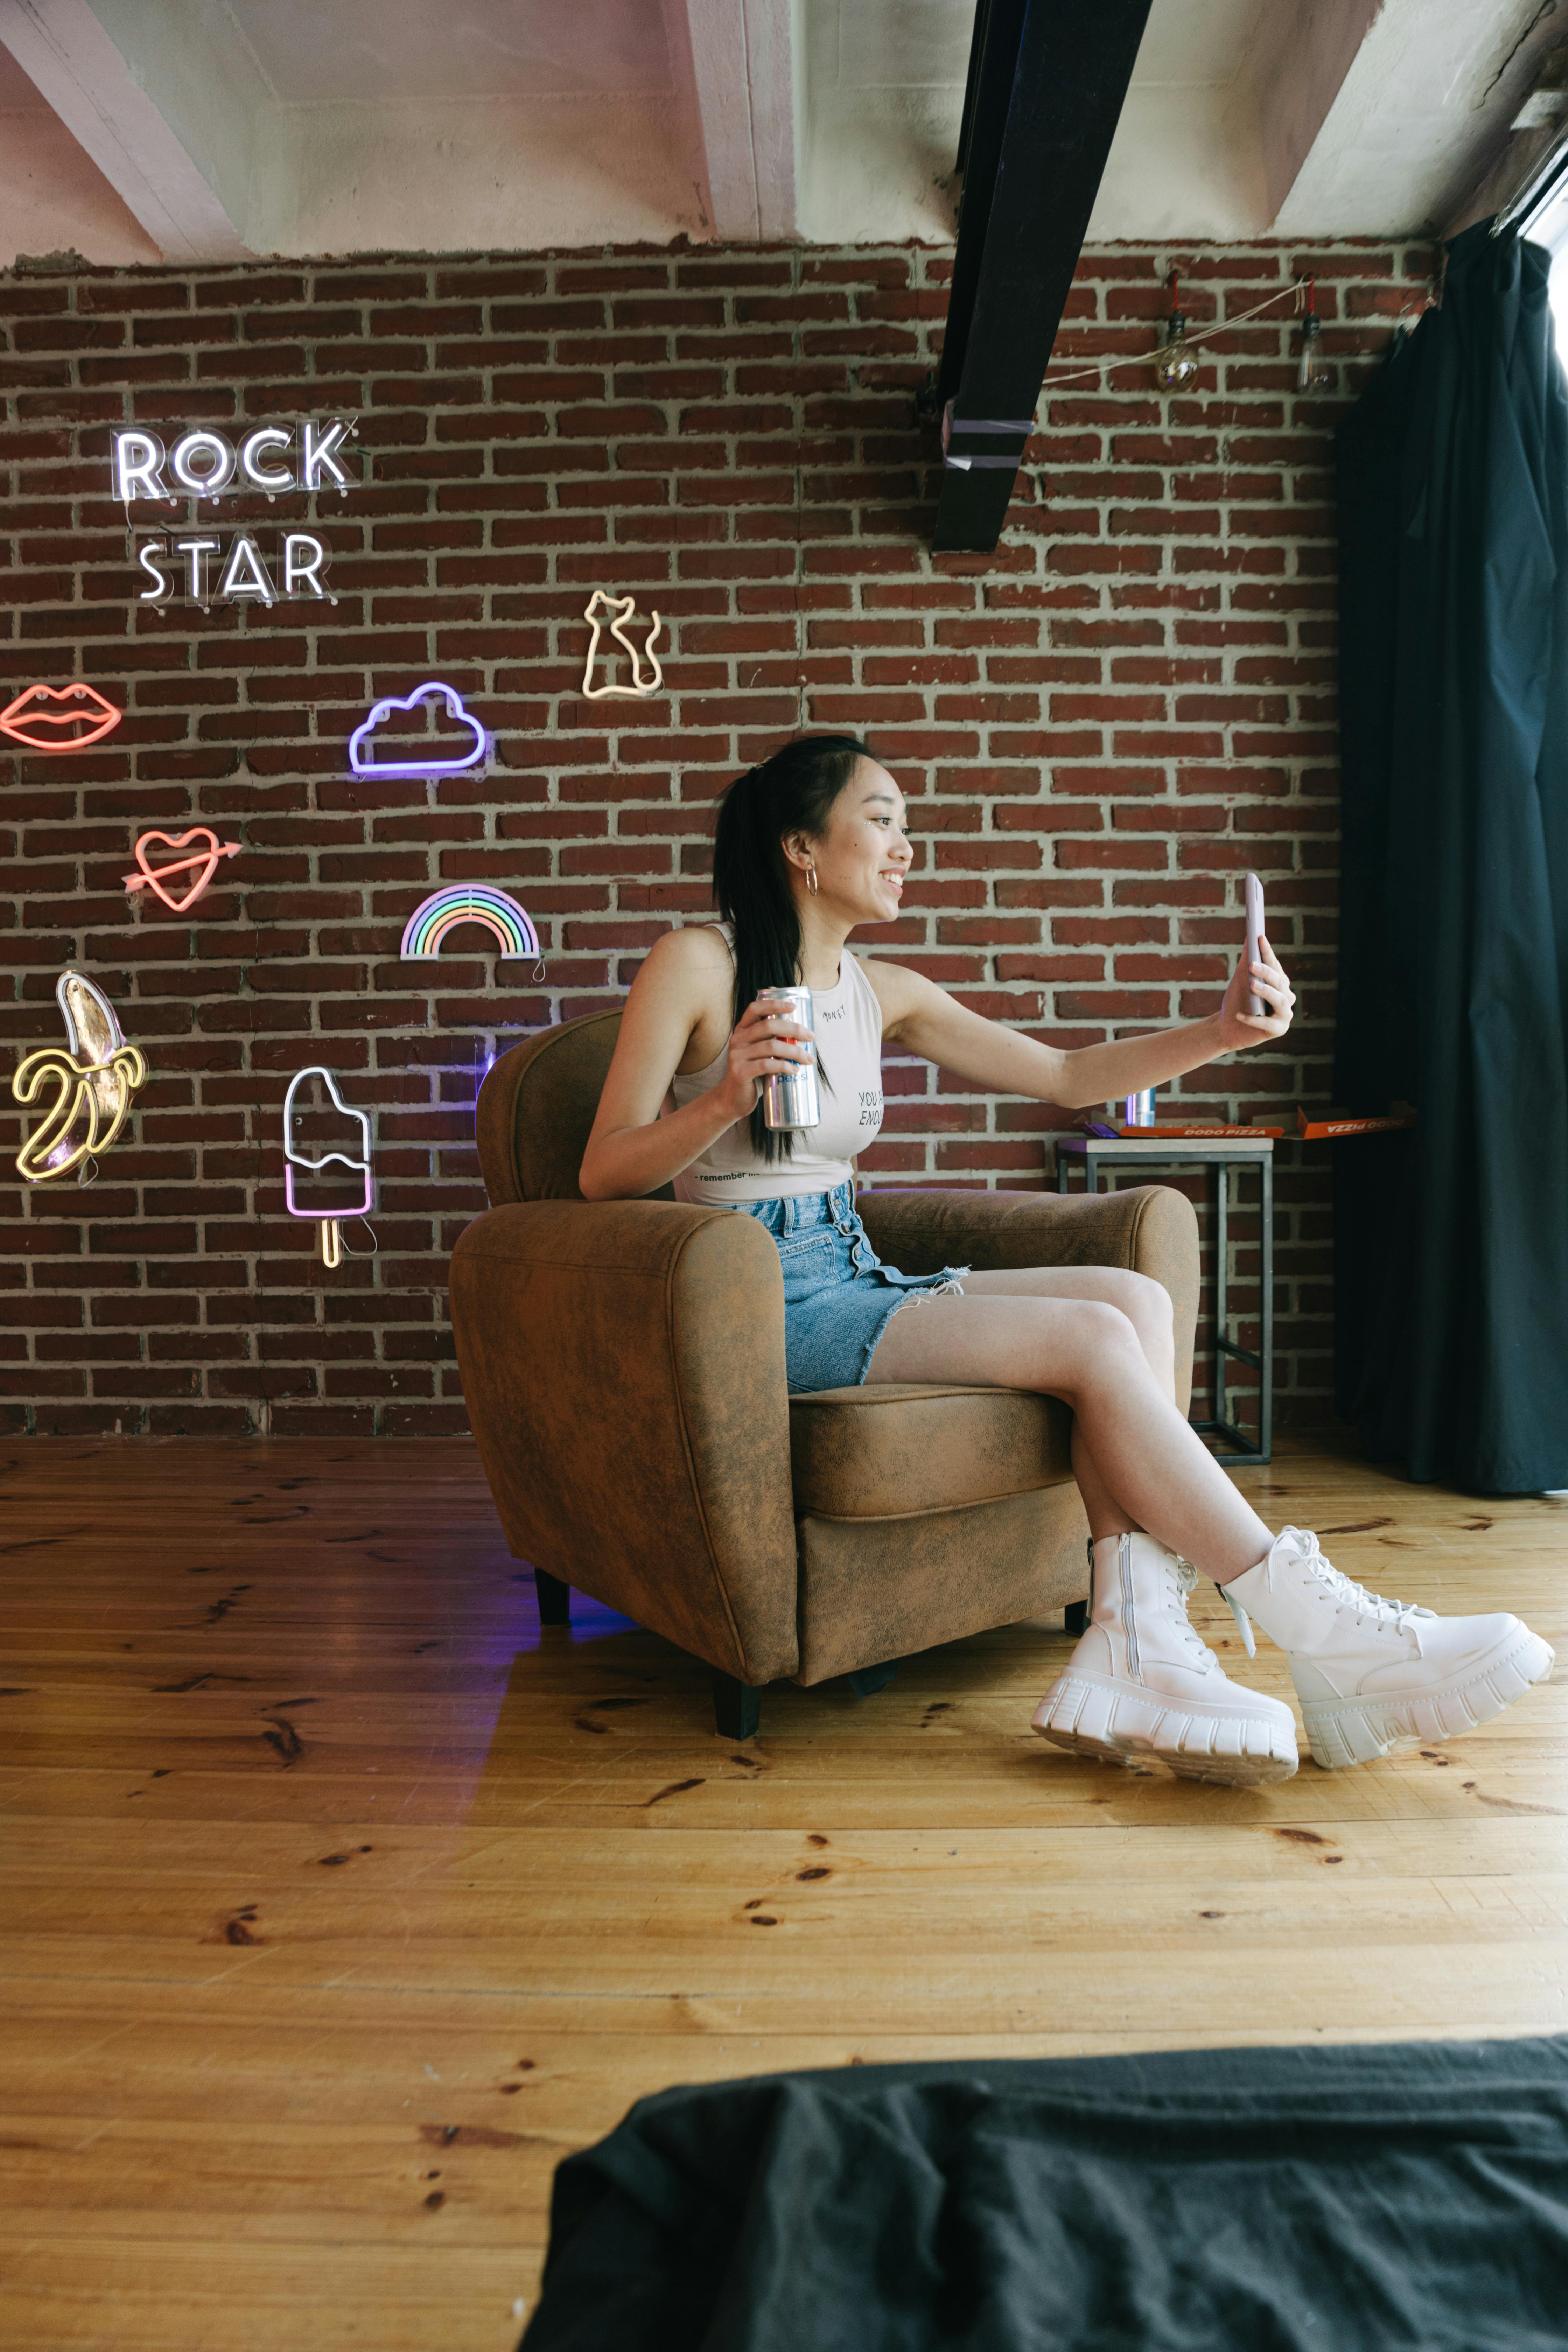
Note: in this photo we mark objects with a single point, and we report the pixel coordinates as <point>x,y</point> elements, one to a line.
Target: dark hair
<point>792,791</point>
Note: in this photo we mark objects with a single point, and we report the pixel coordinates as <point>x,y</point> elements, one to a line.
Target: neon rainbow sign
<point>468,902</point>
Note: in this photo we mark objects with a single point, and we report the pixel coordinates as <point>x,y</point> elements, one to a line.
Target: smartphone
<point>1254,889</point>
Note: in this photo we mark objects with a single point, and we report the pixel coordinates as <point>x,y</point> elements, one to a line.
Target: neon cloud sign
<point>332,1237</point>
<point>205,463</point>
<point>95,1079</point>
<point>468,902</point>
<point>153,878</point>
<point>432,763</point>
<point>40,715</point>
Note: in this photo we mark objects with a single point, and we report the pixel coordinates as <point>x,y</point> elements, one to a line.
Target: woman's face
<point>862,856</point>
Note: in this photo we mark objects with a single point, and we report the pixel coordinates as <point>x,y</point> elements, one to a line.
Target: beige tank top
<point>848,1022</point>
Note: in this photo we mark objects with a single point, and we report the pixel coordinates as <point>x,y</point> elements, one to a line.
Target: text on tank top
<point>849,1024</point>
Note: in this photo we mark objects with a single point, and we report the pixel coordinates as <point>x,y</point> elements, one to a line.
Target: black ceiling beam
<point>1047,83</point>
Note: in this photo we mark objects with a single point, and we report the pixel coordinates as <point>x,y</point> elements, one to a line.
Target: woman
<point>810,845</point>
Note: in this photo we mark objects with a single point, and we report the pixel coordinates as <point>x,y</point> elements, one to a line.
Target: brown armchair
<point>624,1367</point>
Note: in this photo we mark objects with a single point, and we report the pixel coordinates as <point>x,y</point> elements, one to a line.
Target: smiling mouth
<point>58,717</point>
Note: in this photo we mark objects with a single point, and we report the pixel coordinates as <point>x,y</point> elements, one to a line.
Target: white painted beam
<point>1298,66</point>
<point>745,60</point>
<point>65,51</point>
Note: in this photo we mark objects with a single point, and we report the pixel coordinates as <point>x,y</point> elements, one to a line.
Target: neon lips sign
<point>272,461</point>
<point>59,718</point>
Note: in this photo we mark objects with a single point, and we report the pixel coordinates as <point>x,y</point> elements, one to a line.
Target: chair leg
<point>555,1598</point>
<point>1075,1617</point>
<point>737,1708</point>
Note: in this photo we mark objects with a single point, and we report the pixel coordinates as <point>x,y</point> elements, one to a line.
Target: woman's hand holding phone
<point>1259,1000</point>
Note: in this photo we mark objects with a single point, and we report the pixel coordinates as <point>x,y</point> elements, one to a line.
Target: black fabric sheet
<point>1451,1243</point>
<point>1411,2196</point>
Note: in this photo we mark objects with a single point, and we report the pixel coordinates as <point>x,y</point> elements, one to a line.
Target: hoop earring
<point>810,881</point>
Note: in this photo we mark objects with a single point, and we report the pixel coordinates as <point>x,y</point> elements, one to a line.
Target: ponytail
<point>792,791</point>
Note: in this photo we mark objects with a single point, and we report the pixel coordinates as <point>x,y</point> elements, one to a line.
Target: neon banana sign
<point>95,1080</point>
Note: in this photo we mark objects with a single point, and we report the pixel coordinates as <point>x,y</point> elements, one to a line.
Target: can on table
<point>791,1098</point>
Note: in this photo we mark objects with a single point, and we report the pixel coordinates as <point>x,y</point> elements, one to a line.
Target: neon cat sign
<point>271,461</point>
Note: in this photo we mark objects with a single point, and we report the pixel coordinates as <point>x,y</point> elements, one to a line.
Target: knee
<point>1102,1344</point>
<point>1147,1306</point>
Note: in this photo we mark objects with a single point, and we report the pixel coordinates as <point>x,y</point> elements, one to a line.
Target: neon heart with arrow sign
<point>153,879</point>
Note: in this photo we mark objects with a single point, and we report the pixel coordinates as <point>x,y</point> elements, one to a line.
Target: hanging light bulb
<point>1313,372</point>
<point>1175,366</point>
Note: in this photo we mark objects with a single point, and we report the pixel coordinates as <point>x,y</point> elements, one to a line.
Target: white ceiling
<point>210,128</point>
<point>359,51</point>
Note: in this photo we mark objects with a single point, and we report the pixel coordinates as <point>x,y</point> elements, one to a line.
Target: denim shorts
<point>838,1296</point>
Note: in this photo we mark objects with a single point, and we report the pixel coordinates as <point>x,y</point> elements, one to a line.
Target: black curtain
<point>1451,1241</point>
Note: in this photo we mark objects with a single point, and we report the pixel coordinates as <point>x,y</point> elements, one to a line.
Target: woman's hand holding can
<point>765,1042</point>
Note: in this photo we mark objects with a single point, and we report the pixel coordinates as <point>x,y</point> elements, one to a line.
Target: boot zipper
<point>1128,1622</point>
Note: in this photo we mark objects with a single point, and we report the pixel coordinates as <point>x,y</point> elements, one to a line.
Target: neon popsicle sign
<point>331,1238</point>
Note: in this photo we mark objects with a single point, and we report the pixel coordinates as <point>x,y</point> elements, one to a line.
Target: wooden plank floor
<point>338,1904</point>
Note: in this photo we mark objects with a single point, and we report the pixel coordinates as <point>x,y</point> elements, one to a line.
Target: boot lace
<point>1176,1592</point>
<point>1405,1615</point>
<point>1401,1616</point>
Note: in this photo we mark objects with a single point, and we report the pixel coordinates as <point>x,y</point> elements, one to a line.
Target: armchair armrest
<point>1150,1229</point>
<point>624,1367</point>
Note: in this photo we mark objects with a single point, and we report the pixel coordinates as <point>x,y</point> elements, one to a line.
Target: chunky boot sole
<point>1358,1730</point>
<point>1123,1723</point>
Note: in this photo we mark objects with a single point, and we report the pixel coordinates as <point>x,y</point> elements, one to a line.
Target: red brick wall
<point>1099,727</point>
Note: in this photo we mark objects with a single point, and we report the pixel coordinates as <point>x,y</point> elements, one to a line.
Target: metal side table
<point>1093,1152</point>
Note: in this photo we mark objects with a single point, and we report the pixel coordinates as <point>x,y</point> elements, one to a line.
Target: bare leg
<point>1147,1306</point>
<point>1151,1466</point>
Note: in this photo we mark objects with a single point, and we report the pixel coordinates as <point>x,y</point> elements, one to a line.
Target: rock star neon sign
<point>202,564</point>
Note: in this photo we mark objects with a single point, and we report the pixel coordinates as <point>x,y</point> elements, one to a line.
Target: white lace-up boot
<point>1369,1672</point>
<point>1141,1682</point>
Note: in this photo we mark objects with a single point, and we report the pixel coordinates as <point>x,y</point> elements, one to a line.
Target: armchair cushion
<point>900,1446</point>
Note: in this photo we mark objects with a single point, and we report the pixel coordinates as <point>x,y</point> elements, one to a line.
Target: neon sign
<point>243,576</point>
<point>206,463</point>
<point>468,902</point>
<point>154,878</point>
<point>95,1079</point>
<point>40,715</point>
<point>328,1219</point>
<point>616,610</point>
<point>138,458</point>
<point>432,763</point>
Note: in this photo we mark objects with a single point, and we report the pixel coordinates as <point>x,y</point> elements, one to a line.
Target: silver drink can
<point>790,1099</point>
